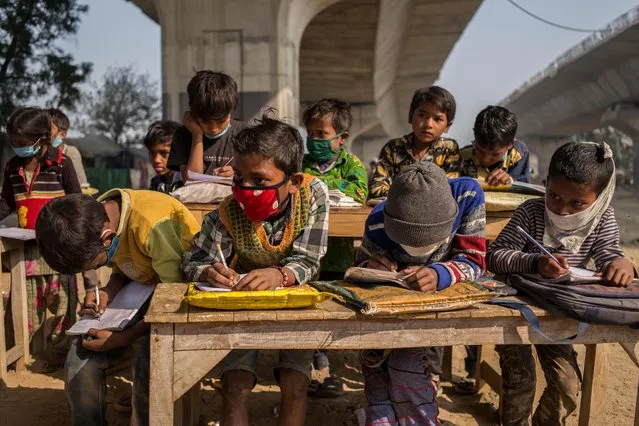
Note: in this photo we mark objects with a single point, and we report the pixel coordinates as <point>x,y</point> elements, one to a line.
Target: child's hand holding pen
<point>95,302</point>
<point>220,275</point>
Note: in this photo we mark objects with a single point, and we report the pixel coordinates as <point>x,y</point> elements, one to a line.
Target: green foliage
<point>122,106</point>
<point>33,68</point>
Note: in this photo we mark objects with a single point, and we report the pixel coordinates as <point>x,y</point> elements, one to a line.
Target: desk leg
<point>636,422</point>
<point>19,305</point>
<point>594,385</point>
<point>161,408</point>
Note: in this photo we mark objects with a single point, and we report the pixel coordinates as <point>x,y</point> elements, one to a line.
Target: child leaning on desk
<point>578,224</point>
<point>274,229</point>
<point>142,235</point>
<point>431,229</point>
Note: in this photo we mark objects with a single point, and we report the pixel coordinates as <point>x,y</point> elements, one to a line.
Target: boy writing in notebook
<point>142,235</point>
<point>431,114</point>
<point>203,144</point>
<point>576,223</point>
<point>273,228</point>
<point>495,155</point>
<point>431,229</point>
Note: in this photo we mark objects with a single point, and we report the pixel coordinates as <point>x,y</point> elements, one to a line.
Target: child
<point>440,243</point>
<point>203,144</point>
<point>37,174</point>
<point>158,142</point>
<point>274,228</point>
<point>577,223</point>
<point>431,114</point>
<point>142,235</point>
<point>327,124</point>
<point>495,155</point>
<point>59,128</point>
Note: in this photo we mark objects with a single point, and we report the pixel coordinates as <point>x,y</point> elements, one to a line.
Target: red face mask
<point>258,202</point>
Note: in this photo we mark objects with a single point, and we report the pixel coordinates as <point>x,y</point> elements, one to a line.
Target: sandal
<point>312,387</point>
<point>331,387</point>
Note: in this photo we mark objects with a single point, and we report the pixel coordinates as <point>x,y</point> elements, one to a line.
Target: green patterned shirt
<point>347,173</point>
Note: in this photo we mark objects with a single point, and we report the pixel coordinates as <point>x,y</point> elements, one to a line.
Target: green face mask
<point>321,149</point>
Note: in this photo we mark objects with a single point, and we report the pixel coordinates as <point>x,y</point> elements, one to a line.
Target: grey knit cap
<point>420,208</point>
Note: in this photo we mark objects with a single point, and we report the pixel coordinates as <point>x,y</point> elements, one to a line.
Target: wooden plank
<point>9,244</point>
<point>367,333</point>
<point>161,408</point>
<point>327,310</point>
<point>19,311</point>
<point>14,354</point>
<point>167,305</point>
<point>191,366</point>
<point>494,226</point>
<point>489,376</point>
<point>347,222</point>
<point>593,394</point>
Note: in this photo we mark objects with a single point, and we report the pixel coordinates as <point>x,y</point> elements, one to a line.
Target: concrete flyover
<point>289,53</point>
<point>595,83</point>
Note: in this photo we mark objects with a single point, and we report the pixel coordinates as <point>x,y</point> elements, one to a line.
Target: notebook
<point>365,275</point>
<point>338,199</point>
<point>18,233</point>
<point>578,276</point>
<point>208,287</point>
<point>119,312</point>
<point>200,177</point>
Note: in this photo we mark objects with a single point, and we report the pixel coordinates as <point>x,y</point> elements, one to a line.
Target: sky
<point>501,48</point>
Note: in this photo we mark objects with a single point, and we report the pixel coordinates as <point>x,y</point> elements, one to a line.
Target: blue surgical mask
<point>219,135</point>
<point>27,151</point>
<point>113,247</point>
<point>57,141</point>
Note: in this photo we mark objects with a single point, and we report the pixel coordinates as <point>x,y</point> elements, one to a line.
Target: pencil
<point>537,244</point>
<point>227,163</point>
<point>97,301</point>
<point>219,251</point>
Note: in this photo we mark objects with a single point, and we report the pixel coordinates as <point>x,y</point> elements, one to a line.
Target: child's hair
<point>338,109</point>
<point>582,163</point>
<point>212,95</point>
<point>69,231</point>
<point>495,127</point>
<point>29,124</point>
<point>59,118</point>
<point>271,138</point>
<point>440,97</point>
<point>160,132</point>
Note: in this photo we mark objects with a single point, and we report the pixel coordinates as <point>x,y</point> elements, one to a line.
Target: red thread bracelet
<point>284,275</point>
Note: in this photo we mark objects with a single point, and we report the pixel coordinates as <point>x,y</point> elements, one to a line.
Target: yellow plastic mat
<point>287,298</point>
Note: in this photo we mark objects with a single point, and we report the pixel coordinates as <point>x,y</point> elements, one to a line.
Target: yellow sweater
<point>154,230</point>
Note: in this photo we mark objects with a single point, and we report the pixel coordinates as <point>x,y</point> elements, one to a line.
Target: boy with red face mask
<point>274,229</point>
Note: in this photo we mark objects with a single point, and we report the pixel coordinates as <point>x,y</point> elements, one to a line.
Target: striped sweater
<point>54,177</point>
<point>461,259</point>
<point>511,253</point>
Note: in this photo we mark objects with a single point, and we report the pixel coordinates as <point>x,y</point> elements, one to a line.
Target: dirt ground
<point>38,399</point>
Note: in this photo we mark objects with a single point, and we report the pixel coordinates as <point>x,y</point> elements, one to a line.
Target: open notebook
<point>119,312</point>
<point>577,276</point>
<point>365,275</point>
<point>517,187</point>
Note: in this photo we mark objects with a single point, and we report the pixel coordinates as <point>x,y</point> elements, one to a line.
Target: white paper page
<point>580,272</point>
<point>207,287</point>
<point>119,312</point>
<point>18,233</point>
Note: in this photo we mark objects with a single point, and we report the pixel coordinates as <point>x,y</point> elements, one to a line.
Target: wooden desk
<point>187,342</point>
<point>18,290</point>
<point>349,222</point>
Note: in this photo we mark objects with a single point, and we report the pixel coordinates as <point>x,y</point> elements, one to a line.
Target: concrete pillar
<point>367,148</point>
<point>254,41</point>
<point>542,148</point>
<point>625,117</point>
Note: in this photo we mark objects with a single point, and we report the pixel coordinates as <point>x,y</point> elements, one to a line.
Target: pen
<point>97,300</point>
<point>219,251</point>
<point>537,244</point>
<point>228,162</point>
